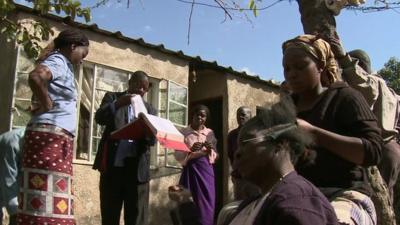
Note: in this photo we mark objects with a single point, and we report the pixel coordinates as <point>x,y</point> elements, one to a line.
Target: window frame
<point>94,88</point>
<point>13,96</point>
<point>179,126</point>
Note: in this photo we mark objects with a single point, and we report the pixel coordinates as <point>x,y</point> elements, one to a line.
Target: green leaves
<point>251,4</point>
<point>30,34</point>
<point>391,74</point>
<point>253,7</point>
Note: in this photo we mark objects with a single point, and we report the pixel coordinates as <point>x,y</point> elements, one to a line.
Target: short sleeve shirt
<point>62,91</point>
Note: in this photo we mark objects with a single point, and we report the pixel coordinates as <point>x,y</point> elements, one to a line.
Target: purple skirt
<point>198,177</point>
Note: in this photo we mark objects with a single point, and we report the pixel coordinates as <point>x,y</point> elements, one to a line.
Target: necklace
<point>278,182</point>
<point>262,199</point>
<point>250,212</point>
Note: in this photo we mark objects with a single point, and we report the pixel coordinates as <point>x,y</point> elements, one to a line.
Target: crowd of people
<point>303,160</point>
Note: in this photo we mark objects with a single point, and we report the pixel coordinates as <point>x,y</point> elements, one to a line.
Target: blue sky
<point>254,47</point>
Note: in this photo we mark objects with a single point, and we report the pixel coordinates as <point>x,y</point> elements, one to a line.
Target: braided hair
<point>64,39</point>
<point>281,114</point>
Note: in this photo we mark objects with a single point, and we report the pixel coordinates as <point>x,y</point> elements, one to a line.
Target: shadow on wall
<point>86,195</point>
<point>160,204</point>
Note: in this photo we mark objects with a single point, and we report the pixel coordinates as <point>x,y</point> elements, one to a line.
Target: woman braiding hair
<point>347,138</point>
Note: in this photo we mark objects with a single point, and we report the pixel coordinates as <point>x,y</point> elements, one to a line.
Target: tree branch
<point>223,8</point>
<point>190,22</point>
<point>232,8</point>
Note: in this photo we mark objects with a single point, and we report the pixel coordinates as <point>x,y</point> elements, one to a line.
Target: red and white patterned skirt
<point>46,196</point>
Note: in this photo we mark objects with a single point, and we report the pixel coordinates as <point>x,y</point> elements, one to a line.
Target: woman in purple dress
<point>198,171</point>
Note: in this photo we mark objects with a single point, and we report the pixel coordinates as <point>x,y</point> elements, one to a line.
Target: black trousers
<point>119,187</point>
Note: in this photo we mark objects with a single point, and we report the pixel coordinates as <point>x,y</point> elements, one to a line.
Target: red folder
<point>163,129</point>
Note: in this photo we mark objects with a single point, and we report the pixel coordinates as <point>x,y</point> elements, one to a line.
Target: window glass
<point>177,113</point>
<point>95,146</point>
<point>85,109</point>
<point>83,136</point>
<point>111,80</point>
<point>24,63</point>
<point>178,93</point>
<point>170,159</point>
<point>22,95</point>
<point>163,94</point>
<point>22,89</point>
<point>21,115</point>
<point>98,97</point>
<point>86,87</point>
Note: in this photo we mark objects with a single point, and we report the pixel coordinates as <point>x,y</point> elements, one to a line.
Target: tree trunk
<point>317,18</point>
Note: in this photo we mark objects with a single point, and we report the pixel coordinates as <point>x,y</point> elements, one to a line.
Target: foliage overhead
<point>30,33</point>
<point>391,74</point>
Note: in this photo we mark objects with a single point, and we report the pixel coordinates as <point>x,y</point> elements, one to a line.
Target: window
<point>92,82</point>
<point>173,106</point>
<point>22,93</point>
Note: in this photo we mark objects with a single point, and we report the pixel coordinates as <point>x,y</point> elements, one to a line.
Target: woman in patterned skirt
<point>45,186</point>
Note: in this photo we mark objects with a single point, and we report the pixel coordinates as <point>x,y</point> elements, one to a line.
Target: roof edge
<point>118,34</point>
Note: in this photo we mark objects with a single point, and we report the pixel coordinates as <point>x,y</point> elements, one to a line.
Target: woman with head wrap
<point>347,138</point>
<point>46,179</point>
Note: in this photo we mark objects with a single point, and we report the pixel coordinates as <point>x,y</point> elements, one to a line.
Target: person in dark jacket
<point>124,165</point>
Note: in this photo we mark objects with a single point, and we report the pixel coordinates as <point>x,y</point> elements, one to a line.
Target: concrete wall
<point>7,74</point>
<point>116,53</point>
<point>246,92</point>
<point>86,195</point>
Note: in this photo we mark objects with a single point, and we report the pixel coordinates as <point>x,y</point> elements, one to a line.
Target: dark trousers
<point>119,186</point>
<point>389,167</point>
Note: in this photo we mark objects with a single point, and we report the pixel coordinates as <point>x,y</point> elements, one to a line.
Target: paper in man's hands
<point>138,106</point>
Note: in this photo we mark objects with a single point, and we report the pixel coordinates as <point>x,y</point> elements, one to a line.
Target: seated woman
<point>198,171</point>
<point>347,138</point>
<point>269,146</point>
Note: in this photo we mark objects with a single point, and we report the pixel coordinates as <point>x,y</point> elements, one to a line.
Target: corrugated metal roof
<point>194,60</point>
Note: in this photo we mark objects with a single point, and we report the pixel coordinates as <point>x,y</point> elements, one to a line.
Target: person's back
<point>356,71</point>
<point>294,193</point>
<point>382,99</point>
<point>384,103</point>
<point>10,146</point>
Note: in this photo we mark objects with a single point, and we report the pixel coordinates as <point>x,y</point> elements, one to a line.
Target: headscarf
<point>321,51</point>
